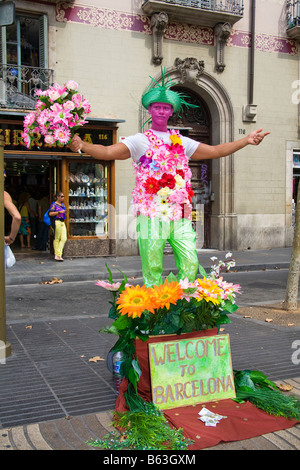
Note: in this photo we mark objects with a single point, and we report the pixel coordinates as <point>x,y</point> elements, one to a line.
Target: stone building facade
<point>240,66</point>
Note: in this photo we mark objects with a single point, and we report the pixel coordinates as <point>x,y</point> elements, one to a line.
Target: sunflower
<point>209,291</point>
<point>166,294</point>
<point>134,300</point>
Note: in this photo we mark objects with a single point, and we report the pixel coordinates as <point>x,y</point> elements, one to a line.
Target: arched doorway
<point>216,103</point>
<point>196,124</point>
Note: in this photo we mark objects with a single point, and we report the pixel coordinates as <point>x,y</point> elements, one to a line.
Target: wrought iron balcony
<point>202,12</point>
<point>19,83</point>
<point>293,19</point>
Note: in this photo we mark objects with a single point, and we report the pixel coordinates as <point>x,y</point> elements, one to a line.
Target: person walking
<point>43,229</point>
<point>25,211</point>
<point>58,211</point>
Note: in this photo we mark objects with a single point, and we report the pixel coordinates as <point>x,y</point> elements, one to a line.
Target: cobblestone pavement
<point>74,432</point>
<point>54,398</point>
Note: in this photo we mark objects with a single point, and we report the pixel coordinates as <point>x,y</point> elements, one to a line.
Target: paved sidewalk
<point>54,398</point>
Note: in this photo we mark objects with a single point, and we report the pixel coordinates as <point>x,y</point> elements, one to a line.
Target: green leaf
<point>242,379</point>
<point>110,278</point>
<point>141,336</point>
<point>202,271</point>
<point>122,285</point>
<point>136,367</point>
<point>110,329</point>
<point>230,307</point>
<point>222,320</point>
<point>261,379</point>
<point>133,377</point>
<point>113,312</point>
<point>125,278</point>
<point>122,322</point>
<point>125,365</point>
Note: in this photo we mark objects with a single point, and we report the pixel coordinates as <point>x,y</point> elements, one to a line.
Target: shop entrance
<point>29,180</point>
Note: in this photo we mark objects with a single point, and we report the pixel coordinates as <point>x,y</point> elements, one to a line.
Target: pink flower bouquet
<point>59,112</point>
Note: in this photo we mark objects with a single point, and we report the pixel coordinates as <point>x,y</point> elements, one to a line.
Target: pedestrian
<point>25,211</point>
<point>58,211</point>
<point>43,229</point>
<point>15,215</point>
<point>162,196</point>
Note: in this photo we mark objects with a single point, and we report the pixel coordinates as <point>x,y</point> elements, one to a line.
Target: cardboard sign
<point>191,371</point>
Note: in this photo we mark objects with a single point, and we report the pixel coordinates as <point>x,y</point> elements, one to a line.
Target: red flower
<point>181,173</point>
<point>186,211</point>
<point>190,194</point>
<point>167,180</point>
<point>151,185</point>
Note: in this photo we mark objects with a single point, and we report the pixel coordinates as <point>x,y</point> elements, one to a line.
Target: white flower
<point>228,255</point>
<point>164,192</point>
<point>180,183</point>
<point>72,85</point>
<point>49,139</point>
<point>68,105</point>
<point>165,212</point>
<point>53,95</point>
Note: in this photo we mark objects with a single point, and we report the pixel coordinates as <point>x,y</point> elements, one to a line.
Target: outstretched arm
<point>101,152</point>
<point>16,219</point>
<point>206,152</point>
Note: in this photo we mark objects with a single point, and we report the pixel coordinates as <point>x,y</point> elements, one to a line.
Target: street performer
<point>162,195</point>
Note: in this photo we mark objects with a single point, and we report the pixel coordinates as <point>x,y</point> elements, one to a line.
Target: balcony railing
<point>19,83</point>
<point>293,19</point>
<point>293,13</point>
<point>228,6</point>
<point>203,12</point>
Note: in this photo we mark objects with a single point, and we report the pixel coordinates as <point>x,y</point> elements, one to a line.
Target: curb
<point>23,278</point>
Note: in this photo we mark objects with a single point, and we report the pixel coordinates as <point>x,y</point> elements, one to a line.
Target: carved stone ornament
<point>159,22</point>
<point>190,69</point>
<point>222,32</point>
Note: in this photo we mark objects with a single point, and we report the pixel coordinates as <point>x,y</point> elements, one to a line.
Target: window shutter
<point>43,42</point>
<point>3,57</point>
<point>3,62</point>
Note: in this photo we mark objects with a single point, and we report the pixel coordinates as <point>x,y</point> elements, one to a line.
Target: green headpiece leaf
<point>162,93</point>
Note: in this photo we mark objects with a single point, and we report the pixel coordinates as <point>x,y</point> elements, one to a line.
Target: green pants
<point>152,237</point>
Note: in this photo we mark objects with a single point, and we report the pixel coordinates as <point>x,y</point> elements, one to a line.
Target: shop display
<point>88,199</point>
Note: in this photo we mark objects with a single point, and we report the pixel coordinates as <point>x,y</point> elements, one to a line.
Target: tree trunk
<point>291,299</point>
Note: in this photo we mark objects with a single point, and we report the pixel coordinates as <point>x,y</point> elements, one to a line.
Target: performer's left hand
<point>256,137</point>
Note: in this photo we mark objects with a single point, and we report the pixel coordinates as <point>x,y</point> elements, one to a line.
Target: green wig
<point>163,94</point>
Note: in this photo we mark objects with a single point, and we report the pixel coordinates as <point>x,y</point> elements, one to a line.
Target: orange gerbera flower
<point>209,291</point>
<point>166,294</point>
<point>134,300</point>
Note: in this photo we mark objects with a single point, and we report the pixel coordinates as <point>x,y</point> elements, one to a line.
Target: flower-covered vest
<point>163,187</point>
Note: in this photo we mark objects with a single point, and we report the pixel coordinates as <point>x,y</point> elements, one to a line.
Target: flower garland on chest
<point>163,186</point>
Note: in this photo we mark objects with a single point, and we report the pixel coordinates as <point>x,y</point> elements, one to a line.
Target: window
<point>88,199</point>
<point>25,42</point>
<point>23,60</point>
